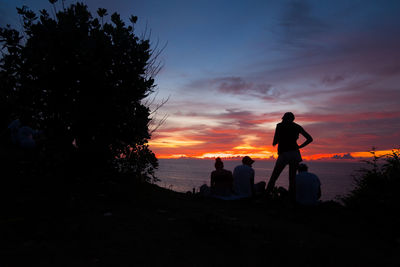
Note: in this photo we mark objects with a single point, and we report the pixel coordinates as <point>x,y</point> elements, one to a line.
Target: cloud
<point>299,24</point>
<point>349,114</point>
<point>234,117</point>
<point>354,132</point>
<point>344,156</point>
<point>332,133</point>
<point>330,46</point>
<point>235,131</point>
<point>237,85</point>
<point>338,72</point>
<point>234,85</point>
<point>333,79</point>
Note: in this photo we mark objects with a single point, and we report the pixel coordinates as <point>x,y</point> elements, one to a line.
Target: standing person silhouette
<point>286,135</point>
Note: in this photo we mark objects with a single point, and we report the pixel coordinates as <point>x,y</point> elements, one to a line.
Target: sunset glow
<point>264,154</point>
<point>333,64</point>
<point>232,69</point>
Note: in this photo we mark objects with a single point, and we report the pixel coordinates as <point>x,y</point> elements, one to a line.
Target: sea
<point>186,174</point>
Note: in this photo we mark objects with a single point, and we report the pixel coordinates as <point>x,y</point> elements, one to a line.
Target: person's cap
<point>247,160</point>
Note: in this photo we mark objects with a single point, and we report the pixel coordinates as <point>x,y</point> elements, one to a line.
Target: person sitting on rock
<point>308,187</point>
<point>22,135</point>
<point>221,180</point>
<point>243,177</point>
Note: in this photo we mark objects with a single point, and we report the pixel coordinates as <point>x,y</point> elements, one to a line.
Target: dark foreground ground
<point>144,225</point>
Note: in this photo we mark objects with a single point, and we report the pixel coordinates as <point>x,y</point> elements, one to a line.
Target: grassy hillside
<point>141,224</point>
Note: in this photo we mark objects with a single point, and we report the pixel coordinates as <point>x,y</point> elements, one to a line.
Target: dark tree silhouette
<point>83,80</point>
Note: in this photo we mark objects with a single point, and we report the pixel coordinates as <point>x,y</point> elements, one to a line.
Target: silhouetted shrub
<point>377,187</point>
<point>81,80</point>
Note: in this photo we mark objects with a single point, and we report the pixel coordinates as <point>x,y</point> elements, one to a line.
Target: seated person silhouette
<point>243,178</point>
<point>221,180</point>
<point>286,135</point>
<point>13,128</point>
<point>308,187</point>
<point>22,134</point>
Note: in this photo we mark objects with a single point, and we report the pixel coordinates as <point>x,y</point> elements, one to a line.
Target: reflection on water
<point>185,174</point>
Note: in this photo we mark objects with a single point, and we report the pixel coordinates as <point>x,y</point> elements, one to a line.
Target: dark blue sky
<point>231,68</point>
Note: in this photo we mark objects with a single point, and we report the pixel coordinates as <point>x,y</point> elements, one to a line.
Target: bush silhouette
<point>377,188</point>
<point>81,80</point>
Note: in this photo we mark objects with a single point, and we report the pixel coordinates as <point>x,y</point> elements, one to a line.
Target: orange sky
<point>233,134</point>
<point>236,133</point>
<point>186,147</point>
